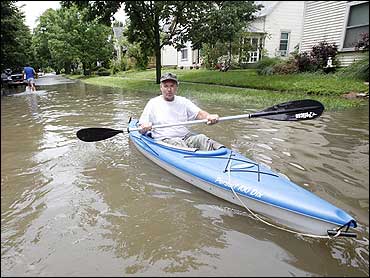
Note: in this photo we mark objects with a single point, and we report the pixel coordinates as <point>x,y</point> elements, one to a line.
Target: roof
<point>269,6</point>
<point>254,29</point>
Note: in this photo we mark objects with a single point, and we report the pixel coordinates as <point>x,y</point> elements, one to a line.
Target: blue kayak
<point>241,181</point>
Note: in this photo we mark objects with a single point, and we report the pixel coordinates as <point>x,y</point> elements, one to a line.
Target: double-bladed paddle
<point>297,110</point>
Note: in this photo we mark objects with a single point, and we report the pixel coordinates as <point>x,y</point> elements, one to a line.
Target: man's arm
<point>145,127</point>
<point>144,121</point>
<point>212,118</point>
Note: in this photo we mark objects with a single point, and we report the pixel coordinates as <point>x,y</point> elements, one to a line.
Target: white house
<point>339,22</point>
<point>186,57</point>
<point>277,29</point>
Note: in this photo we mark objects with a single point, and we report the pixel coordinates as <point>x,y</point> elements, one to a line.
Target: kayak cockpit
<point>184,150</point>
<point>179,149</point>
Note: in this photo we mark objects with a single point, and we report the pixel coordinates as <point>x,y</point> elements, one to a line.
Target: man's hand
<point>212,119</point>
<point>145,127</point>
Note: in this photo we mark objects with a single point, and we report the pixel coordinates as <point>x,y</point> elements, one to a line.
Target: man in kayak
<point>170,108</point>
<point>30,74</point>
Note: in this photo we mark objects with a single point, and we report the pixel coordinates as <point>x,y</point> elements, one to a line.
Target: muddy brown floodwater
<point>71,208</point>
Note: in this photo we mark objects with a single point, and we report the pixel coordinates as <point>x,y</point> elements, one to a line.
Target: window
<point>284,44</point>
<point>184,54</point>
<point>253,57</point>
<point>357,23</point>
<point>253,54</point>
<point>254,44</point>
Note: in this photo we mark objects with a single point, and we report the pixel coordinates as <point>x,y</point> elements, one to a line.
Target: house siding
<point>258,24</point>
<point>347,58</point>
<point>323,21</point>
<point>171,57</point>
<point>326,21</point>
<point>286,16</point>
<point>168,56</point>
<point>188,62</point>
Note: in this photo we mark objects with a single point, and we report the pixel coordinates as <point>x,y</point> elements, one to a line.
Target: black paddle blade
<point>94,134</point>
<point>297,110</point>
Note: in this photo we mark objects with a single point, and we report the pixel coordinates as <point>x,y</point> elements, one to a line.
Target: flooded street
<point>71,208</point>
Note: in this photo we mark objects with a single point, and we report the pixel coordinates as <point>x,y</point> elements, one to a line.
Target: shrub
<point>322,51</point>
<point>305,62</point>
<point>267,71</point>
<point>357,70</point>
<point>102,72</point>
<point>286,67</point>
<point>114,67</point>
<point>266,62</point>
<point>317,58</point>
<point>248,65</point>
<point>118,65</point>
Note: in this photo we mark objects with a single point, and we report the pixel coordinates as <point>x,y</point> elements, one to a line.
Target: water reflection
<point>97,209</point>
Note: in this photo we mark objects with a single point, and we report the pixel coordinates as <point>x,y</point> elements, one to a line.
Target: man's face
<point>169,89</point>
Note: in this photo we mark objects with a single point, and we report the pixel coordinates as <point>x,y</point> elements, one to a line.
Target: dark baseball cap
<point>169,76</point>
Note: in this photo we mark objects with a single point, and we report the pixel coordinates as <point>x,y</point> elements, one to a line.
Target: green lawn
<point>309,83</point>
<point>238,87</point>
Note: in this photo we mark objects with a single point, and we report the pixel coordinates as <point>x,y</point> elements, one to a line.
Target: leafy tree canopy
<point>154,24</point>
<point>16,48</point>
<point>64,39</point>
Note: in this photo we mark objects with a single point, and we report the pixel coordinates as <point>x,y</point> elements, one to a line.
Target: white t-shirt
<point>159,111</point>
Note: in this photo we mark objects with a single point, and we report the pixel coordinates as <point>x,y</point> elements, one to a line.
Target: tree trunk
<point>157,50</point>
<point>85,70</point>
<point>240,52</point>
<point>67,67</point>
<point>229,52</point>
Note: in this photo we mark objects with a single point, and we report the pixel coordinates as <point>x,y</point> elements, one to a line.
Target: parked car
<point>12,79</point>
<point>6,76</point>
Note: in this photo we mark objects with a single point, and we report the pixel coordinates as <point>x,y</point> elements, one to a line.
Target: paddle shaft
<point>254,115</point>
<point>289,111</point>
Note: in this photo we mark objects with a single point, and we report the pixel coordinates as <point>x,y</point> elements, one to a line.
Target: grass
<point>242,87</point>
<point>308,83</point>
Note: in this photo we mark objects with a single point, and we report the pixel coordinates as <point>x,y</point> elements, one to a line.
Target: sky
<point>33,9</point>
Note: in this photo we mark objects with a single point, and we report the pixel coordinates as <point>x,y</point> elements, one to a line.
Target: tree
<point>136,51</point>
<point>55,39</point>
<point>64,38</point>
<point>153,24</point>
<point>41,36</point>
<point>16,48</point>
<point>95,44</point>
<point>222,22</point>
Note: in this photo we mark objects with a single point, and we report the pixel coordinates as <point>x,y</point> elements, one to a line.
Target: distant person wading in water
<point>30,74</point>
